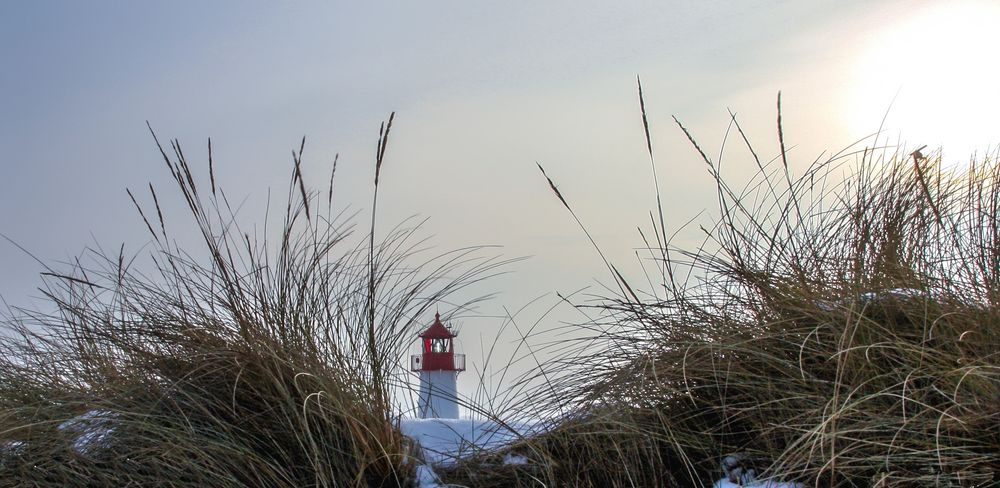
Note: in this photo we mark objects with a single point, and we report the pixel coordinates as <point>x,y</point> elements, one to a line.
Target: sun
<point>939,68</point>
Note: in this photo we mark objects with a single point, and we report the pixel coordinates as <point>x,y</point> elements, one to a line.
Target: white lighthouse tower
<point>438,366</point>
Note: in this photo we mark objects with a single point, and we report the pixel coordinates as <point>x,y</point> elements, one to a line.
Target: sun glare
<point>939,69</point>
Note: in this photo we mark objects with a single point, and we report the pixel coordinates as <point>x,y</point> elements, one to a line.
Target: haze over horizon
<point>480,93</point>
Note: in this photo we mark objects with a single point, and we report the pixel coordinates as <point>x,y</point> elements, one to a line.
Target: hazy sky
<point>481,90</point>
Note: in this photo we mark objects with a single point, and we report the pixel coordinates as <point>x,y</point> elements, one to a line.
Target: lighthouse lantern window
<point>439,345</point>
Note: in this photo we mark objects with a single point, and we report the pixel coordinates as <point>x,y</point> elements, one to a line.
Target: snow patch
<point>896,293</point>
<point>92,430</point>
<point>514,459</point>
<point>12,447</point>
<point>725,483</point>
<point>427,478</point>
<point>443,441</point>
<point>740,473</point>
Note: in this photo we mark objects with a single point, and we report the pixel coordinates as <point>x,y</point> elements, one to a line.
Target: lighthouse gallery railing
<point>458,363</point>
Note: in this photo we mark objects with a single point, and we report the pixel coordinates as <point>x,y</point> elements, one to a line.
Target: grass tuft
<point>247,362</point>
<point>834,331</point>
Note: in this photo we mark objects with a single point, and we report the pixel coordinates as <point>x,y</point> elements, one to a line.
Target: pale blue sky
<point>482,91</point>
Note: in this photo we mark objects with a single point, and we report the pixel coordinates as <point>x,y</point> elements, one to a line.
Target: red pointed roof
<point>437,330</point>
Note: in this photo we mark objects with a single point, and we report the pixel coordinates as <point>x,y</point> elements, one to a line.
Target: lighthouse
<point>438,366</point>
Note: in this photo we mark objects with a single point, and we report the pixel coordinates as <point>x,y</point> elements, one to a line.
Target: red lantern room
<point>437,350</point>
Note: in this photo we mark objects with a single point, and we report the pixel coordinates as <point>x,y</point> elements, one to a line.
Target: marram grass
<point>836,331</point>
<point>250,361</point>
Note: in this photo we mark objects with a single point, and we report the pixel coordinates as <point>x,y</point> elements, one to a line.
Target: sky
<point>482,91</point>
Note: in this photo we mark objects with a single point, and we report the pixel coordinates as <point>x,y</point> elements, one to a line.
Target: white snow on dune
<point>509,459</point>
<point>445,440</point>
<point>92,430</point>
<point>725,483</point>
<point>427,478</point>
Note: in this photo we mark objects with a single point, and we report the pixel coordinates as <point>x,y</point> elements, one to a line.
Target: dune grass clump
<point>840,337</point>
<point>243,363</point>
<point>837,329</point>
